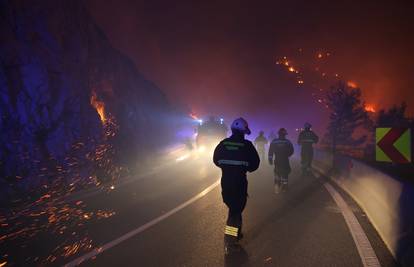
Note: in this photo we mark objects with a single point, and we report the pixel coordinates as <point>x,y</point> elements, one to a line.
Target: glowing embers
<point>316,69</point>
<point>81,245</point>
<point>61,220</point>
<point>322,55</point>
<point>99,106</point>
<point>286,64</point>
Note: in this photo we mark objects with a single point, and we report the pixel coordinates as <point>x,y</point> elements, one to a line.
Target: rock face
<point>60,83</point>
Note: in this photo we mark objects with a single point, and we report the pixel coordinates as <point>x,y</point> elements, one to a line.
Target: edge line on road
<point>141,228</point>
<point>365,250</point>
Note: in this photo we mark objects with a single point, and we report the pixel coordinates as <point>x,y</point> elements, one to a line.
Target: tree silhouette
<point>347,115</point>
<point>394,117</point>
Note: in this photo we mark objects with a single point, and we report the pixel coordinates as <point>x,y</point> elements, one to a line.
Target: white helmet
<point>241,125</point>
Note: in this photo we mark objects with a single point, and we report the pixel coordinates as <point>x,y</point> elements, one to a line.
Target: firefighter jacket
<point>279,152</point>
<point>235,156</point>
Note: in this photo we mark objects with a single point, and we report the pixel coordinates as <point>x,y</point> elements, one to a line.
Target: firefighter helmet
<point>241,125</point>
<point>282,131</point>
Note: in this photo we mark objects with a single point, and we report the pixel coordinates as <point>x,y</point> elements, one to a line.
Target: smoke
<point>225,63</point>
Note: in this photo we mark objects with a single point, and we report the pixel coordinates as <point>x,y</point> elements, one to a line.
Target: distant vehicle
<point>211,132</point>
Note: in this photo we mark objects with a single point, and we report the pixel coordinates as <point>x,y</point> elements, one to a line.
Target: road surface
<point>162,219</point>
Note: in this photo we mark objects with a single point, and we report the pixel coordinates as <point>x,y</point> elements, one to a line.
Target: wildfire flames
<point>99,106</point>
<point>54,211</point>
<point>352,84</point>
<point>285,63</point>
<point>370,108</point>
<point>317,66</point>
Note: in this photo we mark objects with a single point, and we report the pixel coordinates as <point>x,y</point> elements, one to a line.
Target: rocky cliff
<point>68,99</point>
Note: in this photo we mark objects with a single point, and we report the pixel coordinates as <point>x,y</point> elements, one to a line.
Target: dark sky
<point>219,56</point>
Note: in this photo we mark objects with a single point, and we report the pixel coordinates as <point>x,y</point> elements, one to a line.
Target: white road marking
<point>365,250</point>
<point>142,228</point>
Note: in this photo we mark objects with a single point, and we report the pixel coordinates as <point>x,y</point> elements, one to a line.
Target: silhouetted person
<point>260,142</point>
<point>235,156</point>
<point>279,152</point>
<point>306,140</point>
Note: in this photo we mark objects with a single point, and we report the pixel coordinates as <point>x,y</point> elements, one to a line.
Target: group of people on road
<point>281,149</point>
<point>236,156</point>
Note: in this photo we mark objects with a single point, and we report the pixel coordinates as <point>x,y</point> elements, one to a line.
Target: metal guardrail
<point>388,202</point>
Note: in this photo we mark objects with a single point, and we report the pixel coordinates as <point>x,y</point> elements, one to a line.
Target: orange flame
<point>352,84</point>
<point>370,108</point>
<point>99,106</point>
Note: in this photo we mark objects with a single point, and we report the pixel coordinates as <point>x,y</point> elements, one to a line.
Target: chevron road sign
<point>393,145</point>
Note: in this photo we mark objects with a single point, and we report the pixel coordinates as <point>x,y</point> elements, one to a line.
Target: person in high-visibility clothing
<point>306,140</point>
<point>279,152</point>
<point>260,142</point>
<point>235,156</point>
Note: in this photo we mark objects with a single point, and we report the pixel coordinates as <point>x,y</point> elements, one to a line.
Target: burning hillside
<point>71,103</point>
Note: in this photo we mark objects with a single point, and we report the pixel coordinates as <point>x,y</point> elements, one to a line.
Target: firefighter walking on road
<point>279,152</point>
<point>260,142</point>
<point>306,140</point>
<point>235,156</point>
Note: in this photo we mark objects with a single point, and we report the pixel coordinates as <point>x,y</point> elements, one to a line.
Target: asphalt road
<point>302,227</point>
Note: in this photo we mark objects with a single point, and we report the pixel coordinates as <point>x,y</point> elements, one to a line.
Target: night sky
<point>219,56</point>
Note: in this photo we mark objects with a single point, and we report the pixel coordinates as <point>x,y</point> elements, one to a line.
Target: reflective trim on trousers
<point>231,230</point>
